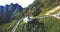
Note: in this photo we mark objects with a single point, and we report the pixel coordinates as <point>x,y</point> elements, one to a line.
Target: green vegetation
<point>21,27</point>
<point>50,24</point>
<point>43,6</point>
<point>37,8</point>
<point>8,26</point>
<point>9,15</point>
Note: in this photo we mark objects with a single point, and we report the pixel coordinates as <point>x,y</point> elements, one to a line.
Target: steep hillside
<point>46,24</point>
<point>10,14</point>
<point>40,7</point>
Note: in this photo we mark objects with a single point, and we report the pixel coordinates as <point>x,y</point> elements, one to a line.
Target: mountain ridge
<point>7,12</point>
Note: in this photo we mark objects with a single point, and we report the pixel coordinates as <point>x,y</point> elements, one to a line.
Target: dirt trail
<point>53,10</point>
<point>16,26</point>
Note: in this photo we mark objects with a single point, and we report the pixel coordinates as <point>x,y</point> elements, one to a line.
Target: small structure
<point>26,19</point>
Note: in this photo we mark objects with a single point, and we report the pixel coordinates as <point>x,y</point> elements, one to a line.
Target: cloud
<point>23,3</point>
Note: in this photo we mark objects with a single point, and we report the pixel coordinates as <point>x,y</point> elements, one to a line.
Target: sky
<point>23,3</point>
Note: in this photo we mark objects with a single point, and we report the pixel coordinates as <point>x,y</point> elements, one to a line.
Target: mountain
<point>42,23</point>
<point>9,12</point>
<point>42,6</point>
<point>38,9</point>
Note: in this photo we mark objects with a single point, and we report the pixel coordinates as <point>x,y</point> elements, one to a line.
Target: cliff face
<point>10,12</point>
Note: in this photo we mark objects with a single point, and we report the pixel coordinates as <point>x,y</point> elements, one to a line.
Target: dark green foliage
<point>33,26</point>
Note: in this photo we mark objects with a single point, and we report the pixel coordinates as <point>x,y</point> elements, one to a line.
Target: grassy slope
<point>51,24</point>
<point>43,6</point>
<point>8,26</point>
<point>20,27</point>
